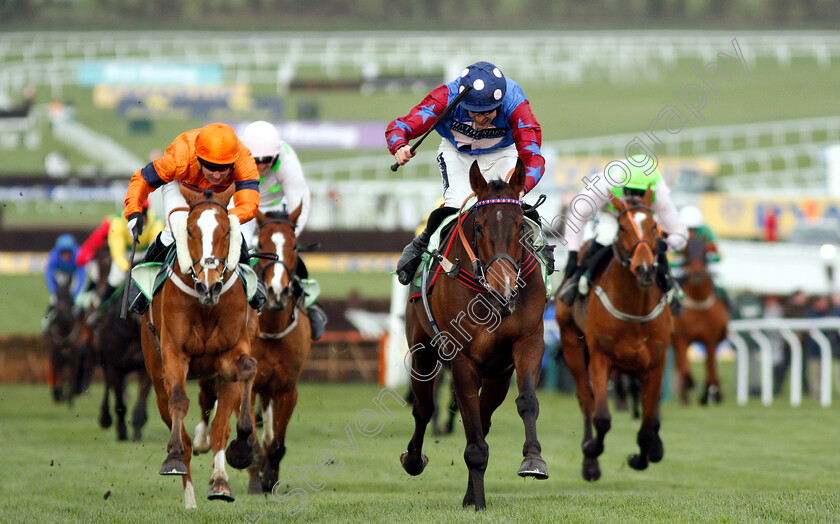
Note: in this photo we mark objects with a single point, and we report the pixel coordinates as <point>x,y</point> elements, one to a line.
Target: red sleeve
<point>527,135</point>
<point>418,120</point>
<point>94,243</point>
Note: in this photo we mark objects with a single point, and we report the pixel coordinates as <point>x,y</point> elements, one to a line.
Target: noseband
<point>480,268</point>
<point>208,262</point>
<point>274,258</point>
<point>625,257</point>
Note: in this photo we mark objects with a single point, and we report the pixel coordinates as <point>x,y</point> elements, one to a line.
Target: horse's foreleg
<point>283,407</point>
<point>650,446</point>
<point>105,419</point>
<point>711,393</point>
<point>527,358</point>
<point>139,415</point>
<point>254,482</point>
<point>206,399</point>
<point>425,367</point>
<point>174,380</point>
<point>467,382</point>
<point>574,353</point>
<point>680,345</point>
<point>118,383</point>
<point>240,451</point>
<point>228,396</point>
<point>599,371</point>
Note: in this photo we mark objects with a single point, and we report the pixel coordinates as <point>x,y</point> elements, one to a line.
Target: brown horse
<point>62,338</point>
<point>625,325</point>
<point>281,348</point>
<point>197,327</point>
<point>496,321</point>
<point>704,319</point>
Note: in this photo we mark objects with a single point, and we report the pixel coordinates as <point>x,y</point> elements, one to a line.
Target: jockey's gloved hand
<point>135,224</point>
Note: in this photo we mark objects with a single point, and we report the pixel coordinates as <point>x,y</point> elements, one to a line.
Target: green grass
<point>23,302</point>
<point>722,464</point>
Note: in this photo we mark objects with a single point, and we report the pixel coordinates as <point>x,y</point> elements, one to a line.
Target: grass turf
<point>722,464</point>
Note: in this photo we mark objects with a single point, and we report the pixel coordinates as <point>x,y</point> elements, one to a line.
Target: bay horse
<point>281,347</point>
<point>117,343</point>
<point>197,327</point>
<point>496,322</point>
<point>62,338</point>
<point>625,325</point>
<point>704,319</point>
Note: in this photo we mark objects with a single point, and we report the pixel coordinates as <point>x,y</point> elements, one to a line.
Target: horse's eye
<point>479,230</point>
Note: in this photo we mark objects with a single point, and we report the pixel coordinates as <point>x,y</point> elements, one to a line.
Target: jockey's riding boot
<point>244,254</point>
<point>568,291</point>
<point>664,278</point>
<point>156,252</point>
<point>317,321</point>
<point>259,296</point>
<point>411,257</point>
<point>547,252</point>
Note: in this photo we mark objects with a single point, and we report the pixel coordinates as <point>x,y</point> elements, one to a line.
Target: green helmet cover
<point>639,179</point>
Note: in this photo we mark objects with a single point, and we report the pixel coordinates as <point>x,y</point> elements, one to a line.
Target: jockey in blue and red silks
<point>493,125</point>
<point>61,269</point>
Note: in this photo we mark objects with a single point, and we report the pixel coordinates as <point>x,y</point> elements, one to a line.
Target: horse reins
<point>625,257</point>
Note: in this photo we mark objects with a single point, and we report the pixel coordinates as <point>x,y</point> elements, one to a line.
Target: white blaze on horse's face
<point>207,223</point>
<point>639,218</point>
<point>277,279</point>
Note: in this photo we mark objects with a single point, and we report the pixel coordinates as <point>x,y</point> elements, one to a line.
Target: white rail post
<point>825,366</point>
<point>743,367</point>
<point>795,366</point>
<point>766,366</point>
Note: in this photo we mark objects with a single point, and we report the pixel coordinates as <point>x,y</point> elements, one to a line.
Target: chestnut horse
<point>496,321</point>
<point>197,327</point>
<point>704,319</point>
<point>281,348</point>
<point>625,325</point>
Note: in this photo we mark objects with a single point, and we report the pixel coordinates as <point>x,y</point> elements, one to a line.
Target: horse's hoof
<point>656,452</point>
<point>533,467</point>
<point>221,491</point>
<point>591,470</point>
<point>105,420</point>
<point>637,462</point>
<point>411,465</point>
<point>239,454</point>
<point>592,449</point>
<point>173,466</point>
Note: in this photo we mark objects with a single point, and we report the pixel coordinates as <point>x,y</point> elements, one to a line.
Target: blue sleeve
<point>49,273</point>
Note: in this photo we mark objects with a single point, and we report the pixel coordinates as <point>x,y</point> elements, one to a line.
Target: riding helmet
<point>217,143</point>
<point>488,87</point>
<point>262,139</point>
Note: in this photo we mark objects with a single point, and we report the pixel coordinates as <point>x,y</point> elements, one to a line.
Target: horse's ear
<point>260,218</point>
<point>189,195</point>
<point>224,198</point>
<point>295,215</point>
<point>477,181</point>
<point>517,178</point>
<point>617,203</point>
<point>648,198</point>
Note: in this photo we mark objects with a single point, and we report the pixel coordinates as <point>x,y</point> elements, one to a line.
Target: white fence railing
<point>787,328</point>
<point>50,58</point>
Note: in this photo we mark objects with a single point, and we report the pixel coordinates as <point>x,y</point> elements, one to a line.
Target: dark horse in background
<point>704,319</point>
<point>117,342</point>
<point>624,324</point>
<point>62,338</point>
<point>492,327</point>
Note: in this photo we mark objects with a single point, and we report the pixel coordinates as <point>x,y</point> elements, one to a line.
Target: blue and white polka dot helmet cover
<point>488,85</point>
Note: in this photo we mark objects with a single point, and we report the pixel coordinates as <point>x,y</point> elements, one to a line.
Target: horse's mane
<point>278,215</point>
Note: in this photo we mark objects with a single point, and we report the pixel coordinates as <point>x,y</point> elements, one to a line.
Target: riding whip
<point>127,284</point>
<point>438,120</point>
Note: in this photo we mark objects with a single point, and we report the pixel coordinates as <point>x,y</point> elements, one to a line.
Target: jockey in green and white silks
<point>282,188</point>
<point>596,195</point>
<point>692,217</point>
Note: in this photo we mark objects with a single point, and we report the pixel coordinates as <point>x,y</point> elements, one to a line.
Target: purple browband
<point>499,201</point>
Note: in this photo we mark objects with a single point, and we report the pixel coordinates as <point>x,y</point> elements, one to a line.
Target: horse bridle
<point>274,258</point>
<point>623,256</point>
<point>208,262</point>
<point>479,267</point>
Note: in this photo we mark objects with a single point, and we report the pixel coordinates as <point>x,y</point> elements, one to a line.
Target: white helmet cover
<point>691,217</point>
<point>262,139</point>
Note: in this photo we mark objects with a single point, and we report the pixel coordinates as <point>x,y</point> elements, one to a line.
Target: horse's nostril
<point>201,288</point>
<point>216,288</point>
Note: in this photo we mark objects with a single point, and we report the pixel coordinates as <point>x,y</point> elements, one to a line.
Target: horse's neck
<point>276,320</point>
<point>624,291</point>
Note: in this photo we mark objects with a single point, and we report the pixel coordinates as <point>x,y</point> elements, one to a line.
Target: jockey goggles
<point>266,159</point>
<point>216,168</point>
